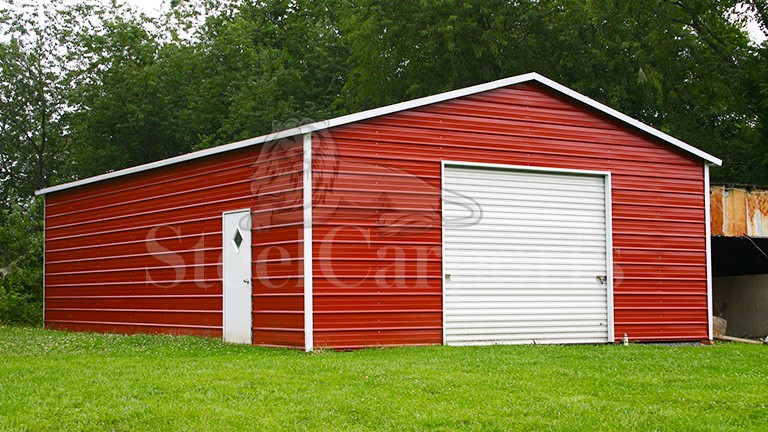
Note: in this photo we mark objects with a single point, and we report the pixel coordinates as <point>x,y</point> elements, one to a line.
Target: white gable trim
<point>364,115</point>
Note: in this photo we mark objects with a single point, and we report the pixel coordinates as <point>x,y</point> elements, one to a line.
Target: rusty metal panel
<point>757,212</point>
<point>739,211</point>
<point>377,195</point>
<point>142,253</point>
<point>716,210</point>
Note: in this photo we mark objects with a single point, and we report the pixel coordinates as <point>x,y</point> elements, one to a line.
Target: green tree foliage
<point>124,100</point>
<point>684,67</point>
<point>88,87</point>
<point>757,75</point>
<point>266,62</point>
<point>21,261</point>
<point>401,49</point>
<point>247,66</point>
<point>32,100</point>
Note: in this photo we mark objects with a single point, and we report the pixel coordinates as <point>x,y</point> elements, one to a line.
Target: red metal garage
<point>516,211</point>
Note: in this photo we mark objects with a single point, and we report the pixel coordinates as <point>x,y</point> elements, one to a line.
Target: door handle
<point>247,281</point>
<point>602,279</point>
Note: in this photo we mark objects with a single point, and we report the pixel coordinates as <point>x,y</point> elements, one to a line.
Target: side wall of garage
<point>377,215</point>
<point>142,252</point>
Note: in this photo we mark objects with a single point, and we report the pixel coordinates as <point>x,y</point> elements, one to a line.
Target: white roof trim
<point>351,118</point>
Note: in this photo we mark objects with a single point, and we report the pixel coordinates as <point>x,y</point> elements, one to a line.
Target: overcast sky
<point>150,6</point>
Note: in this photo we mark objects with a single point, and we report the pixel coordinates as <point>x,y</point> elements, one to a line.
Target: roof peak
<point>390,109</point>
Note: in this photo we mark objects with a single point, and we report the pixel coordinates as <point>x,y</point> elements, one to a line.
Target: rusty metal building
<point>516,211</point>
<point>739,221</point>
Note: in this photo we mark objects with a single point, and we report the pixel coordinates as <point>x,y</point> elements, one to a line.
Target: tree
<point>232,75</point>
<point>32,100</point>
<point>21,262</point>
<point>678,66</point>
<point>123,110</point>
<point>263,63</point>
<point>685,67</point>
<point>39,75</point>
<point>401,50</point>
<point>758,79</point>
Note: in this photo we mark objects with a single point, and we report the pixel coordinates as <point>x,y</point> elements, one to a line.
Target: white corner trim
<point>364,115</point>
<point>45,214</point>
<point>442,248</point>
<point>309,334</point>
<point>609,258</point>
<point>708,240</point>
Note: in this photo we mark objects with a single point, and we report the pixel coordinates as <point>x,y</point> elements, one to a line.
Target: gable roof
<point>364,115</point>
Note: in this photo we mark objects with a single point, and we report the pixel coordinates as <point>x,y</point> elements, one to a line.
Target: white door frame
<point>504,167</point>
<point>237,303</point>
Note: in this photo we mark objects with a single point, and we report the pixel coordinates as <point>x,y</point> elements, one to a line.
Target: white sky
<point>150,7</point>
<point>754,32</point>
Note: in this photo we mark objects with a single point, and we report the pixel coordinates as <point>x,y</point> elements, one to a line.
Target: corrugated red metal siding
<point>142,253</point>
<point>377,236</point>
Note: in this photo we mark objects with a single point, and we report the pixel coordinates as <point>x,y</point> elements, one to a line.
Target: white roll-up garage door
<point>524,257</point>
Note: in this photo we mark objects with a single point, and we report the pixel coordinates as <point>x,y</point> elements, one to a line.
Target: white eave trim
<point>308,256</point>
<point>364,115</point>
<point>708,248</point>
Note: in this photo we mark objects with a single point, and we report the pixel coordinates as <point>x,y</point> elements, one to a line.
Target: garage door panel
<point>494,217</point>
<point>532,332</point>
<point>501,290</point>
<point>541,282</point>
<point>530,189</point>
<point>524,338</point>
<point>530,180</point>
<point>537,206</point>
<point>534,255</point>
<point>500,220</point>
<point>541,208</point>
<point>540,310</point>
<point>501,244</point>
<point>543,232</point>
<point>527,268</point>
<point>542,201</point>
<point>530,267</point>
<point>529,301</point>
<point>510,323</point>
<point>544,228</point>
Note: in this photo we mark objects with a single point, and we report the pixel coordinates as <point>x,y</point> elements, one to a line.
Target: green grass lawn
<point>76,381</point>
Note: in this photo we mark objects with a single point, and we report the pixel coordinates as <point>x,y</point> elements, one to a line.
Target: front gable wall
<point>377,216</point>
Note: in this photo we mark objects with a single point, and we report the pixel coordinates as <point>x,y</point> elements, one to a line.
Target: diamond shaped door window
<point>237,240</point>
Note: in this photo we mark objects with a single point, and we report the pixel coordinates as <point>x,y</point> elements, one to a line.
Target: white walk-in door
<point>236,244</point>
<point>524,257</point>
